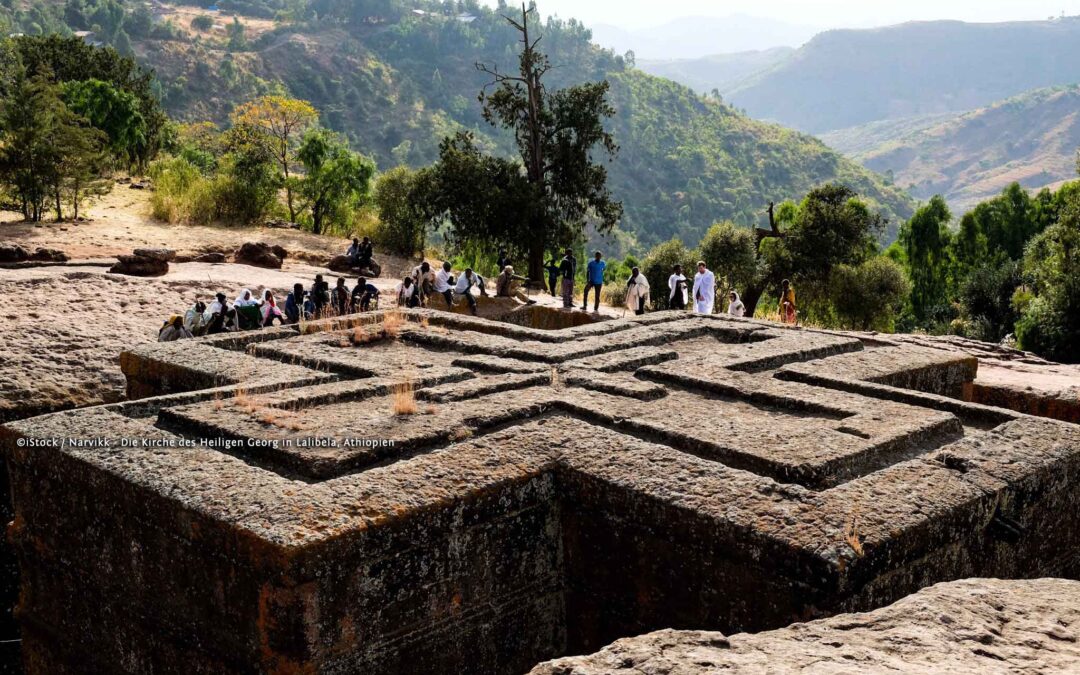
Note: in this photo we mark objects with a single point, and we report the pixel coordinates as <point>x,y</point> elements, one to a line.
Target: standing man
<point>503,261</point>
<point>567,272</point>
<point>594,278</point>
<point>678,296</point>
<point>553,274</point>
<point>443,287</point>
<point>704,289</point>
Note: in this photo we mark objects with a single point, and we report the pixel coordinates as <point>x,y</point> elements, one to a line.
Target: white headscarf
<point>736,306</point>
<point>245,299</point>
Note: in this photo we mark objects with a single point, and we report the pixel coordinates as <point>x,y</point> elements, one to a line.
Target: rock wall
<point>420,491</point>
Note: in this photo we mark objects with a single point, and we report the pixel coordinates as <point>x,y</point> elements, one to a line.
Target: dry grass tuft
<point>405,399</point>
<point>392,323</point>
<point>852,536</point>
<point>430,410</point>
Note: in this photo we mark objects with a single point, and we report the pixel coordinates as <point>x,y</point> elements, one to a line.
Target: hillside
<point>1031,139</point>
<point>396,82</point>
<point>693,37</point>
<point>723,72</point>
<point>845,78</point>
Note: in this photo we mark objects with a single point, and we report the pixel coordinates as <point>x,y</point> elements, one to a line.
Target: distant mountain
<point>1031,139</point>
<point>697,36</point>
<point>845,78</point>
<point>723,72</point>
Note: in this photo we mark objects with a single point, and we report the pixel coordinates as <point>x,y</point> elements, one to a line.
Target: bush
<point>986,299</point>
<point>403,227</point>
<point>869,295</point>
<point>731,253</point>
<point>176,181</point>
<point>202,23</point>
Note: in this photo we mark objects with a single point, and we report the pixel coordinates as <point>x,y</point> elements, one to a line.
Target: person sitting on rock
<point>220,317</point>
<point>367,253</point>
<point>407,293</point>
<point>354,252</point>
<point>424,280</point>
<point>270,310</point>
<point>340,297</point>
<point>506,285</point>
<point>194,318</point>
<point>443,281</point>
<point>362,295</point>
<point>294,304</point>
<point>174,330</point>
<point>320,295</point>
<point>245,299</point>
<point>468,281</point>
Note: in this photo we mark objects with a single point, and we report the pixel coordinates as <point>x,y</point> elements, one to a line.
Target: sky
<point>634,14</point>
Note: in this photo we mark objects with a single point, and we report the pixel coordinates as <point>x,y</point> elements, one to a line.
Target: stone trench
<point>264,506</point>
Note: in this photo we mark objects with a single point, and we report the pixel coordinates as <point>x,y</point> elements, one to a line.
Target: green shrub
<point>176,181</point>
<point>403,227</point>
<point>869,295</point>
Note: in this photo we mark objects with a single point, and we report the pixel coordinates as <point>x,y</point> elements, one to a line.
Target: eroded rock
<point>975,625</point>
<point>258,254</point>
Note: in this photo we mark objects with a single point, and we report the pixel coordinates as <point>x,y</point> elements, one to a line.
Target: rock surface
<point>258,254</point>
<point>10,253</point>
<point>139,266</point>
<point>975,625</point>
<point>48,255</point>
<point>162,254</point>
<point>342,264</point>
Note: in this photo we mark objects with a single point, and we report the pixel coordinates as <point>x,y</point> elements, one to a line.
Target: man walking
<point>594,278</point>
<point>567,272</point>
<point>704,290</point>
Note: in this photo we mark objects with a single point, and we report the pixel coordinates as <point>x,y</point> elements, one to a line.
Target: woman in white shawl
<point>637,292</point>
<point>735,305</point>
<point>270,309</point>
<point>678,296</point>
<point>245,299</point>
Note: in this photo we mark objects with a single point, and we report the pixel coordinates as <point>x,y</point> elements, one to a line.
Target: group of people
<point>248,311</point>
<point>424,283</point>
<point>703,293</point>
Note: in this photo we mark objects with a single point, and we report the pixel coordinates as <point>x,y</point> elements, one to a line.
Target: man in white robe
<point>704,290</point>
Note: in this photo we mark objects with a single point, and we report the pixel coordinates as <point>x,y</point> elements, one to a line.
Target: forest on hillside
<point>396,77</point>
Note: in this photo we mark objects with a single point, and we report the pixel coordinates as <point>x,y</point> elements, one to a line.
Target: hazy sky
<point>821,13</point>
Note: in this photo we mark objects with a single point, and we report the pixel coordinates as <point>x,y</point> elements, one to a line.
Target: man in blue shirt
<point>594,278</point>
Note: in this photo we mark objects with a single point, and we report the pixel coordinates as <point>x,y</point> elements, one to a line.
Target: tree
<point>926,241</point>
<point>237,39</point>
<point>67,59</point>
<point>79,157</point>
<point>986,298</point>
<point>555,133</point>
<point>1050,326</point>
<point>336,177</point>
<point>27,151</point>
<point>283,121</point>
<point>731,254</point>
<point>403,227</point>
<point>113,111</point>
<point>869,295</point>
<point>202,23</point>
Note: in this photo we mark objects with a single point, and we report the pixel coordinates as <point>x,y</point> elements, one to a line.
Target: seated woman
<point>270,310</point>
<point>174,330</point>
<point>247,310</point>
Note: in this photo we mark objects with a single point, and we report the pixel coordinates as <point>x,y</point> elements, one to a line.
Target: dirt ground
<point>62,328</point>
